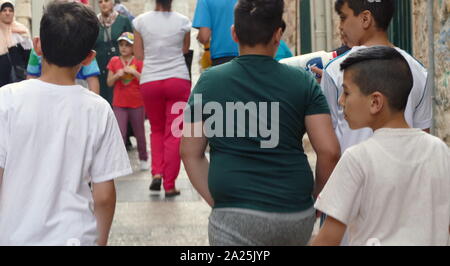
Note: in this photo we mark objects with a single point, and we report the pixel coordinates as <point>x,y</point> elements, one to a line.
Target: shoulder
<point>180,16</point>
<point>436,143</point>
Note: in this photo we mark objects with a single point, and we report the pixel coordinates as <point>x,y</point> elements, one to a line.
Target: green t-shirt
<point>243,173</point>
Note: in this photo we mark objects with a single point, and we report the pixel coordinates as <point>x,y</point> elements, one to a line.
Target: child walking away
<point>56,137</point>
<point>393,189</point>
<point>124,75</point>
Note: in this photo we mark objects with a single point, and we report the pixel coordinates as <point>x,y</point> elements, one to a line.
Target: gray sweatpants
<point>243,227</point>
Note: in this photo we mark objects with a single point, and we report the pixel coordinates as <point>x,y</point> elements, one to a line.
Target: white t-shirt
<point>393,189</point>
<point>163,36</point>
<point>418,112</point>
<point>54,140</point>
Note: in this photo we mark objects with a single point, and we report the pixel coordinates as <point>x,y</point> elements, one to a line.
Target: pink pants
<point>159,96</point>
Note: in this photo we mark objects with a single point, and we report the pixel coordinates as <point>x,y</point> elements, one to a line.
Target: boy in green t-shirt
<point>254,112</point>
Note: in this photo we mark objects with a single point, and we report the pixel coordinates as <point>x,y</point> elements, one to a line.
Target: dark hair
<point>167,4</point>
<point>68,33</point>
<point>382,10</point>
<point>5,5</point>
<point>256,20</point>
<point>382,69</point>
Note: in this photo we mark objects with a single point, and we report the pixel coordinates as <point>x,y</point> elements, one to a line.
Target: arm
<point>112,78</point>
<point>195,162</point>
<point>187,42</point>
<point>204,35</point>
<point>138,46</point>
<point>331,233</point>
<point>325,144</point>
<point>104,195</point>
<point>93,84</point>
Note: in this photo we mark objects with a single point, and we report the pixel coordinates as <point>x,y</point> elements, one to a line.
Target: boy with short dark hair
<point>364,23</point>
<point>56,137</point>
<point>393,189</point>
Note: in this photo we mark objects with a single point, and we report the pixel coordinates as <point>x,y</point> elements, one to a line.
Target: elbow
<point>139,56</point>
<point>203,39</point>
<point>332,154</point>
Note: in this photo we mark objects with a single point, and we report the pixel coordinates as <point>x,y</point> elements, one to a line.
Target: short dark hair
<point>256,21</point>
<point>5,5</point>
<point>382,69</point>
<point>167,4</point>
<point>68,33</point>
<point>382,10</point>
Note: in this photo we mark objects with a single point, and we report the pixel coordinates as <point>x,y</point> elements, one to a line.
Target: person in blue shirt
<point>283,49</point>
<point>214,19</point>
<point>88,75</point>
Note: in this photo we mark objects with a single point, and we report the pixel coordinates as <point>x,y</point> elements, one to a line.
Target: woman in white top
<point>162,37</point>
<point>15,45</point>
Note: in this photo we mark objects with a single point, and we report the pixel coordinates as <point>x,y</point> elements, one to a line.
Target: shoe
<point>144,166</point>
<point>156,184</point>
<point>172,193</point>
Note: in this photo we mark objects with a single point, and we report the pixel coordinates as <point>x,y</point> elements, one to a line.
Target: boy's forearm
<point>331,233</point>
<point>104,207</point>
<point>197,169</point>
<point>104,214</point>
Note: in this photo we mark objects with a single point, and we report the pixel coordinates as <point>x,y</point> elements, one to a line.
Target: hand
<point>129,70</point>
<point>120,73</point>
<point>319,73</point>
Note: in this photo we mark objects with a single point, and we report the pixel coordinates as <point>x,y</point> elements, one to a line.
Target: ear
<point>37,46</point>
<point>277,36</point>
<point>366,19</point>
<point>377,102</point>
<point>91,56</point>
<point>234,35</point>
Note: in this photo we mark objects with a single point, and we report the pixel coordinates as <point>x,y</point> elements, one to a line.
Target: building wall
<point>23,12</point>
<point>442,58</point>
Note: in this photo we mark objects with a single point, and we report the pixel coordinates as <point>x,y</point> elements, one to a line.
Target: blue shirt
<point>217,15</point>
<point>283,51</point>
<point>34,67</point>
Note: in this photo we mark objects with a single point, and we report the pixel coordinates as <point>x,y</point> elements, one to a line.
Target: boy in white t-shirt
<point>394,188</point>
<point>56,137</point>
<point>364,23</point>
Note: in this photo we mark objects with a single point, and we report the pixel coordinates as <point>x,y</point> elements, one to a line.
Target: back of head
<point>257,20</point>
<point>382,69</point>
<point>382,10</point>
<point>167,4</point>
<point>68,33</point>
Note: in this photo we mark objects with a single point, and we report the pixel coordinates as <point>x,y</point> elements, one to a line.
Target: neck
<point>377,38</point>
<point>126,58</point>
<point>64,76</point>
<point>256,50</point>
<point>396,120</point>
<point>161,8</point>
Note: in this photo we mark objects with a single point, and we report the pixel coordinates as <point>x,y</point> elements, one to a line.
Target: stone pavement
<point>148,219</point>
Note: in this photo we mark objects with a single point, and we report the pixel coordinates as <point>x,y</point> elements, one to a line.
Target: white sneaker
<point>144,166</point>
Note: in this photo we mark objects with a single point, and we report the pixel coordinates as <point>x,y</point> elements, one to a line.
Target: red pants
<point>159,97</point>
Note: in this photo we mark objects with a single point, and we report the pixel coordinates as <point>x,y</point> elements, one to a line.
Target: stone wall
<point>23,12</point>
<point>442,58</point>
